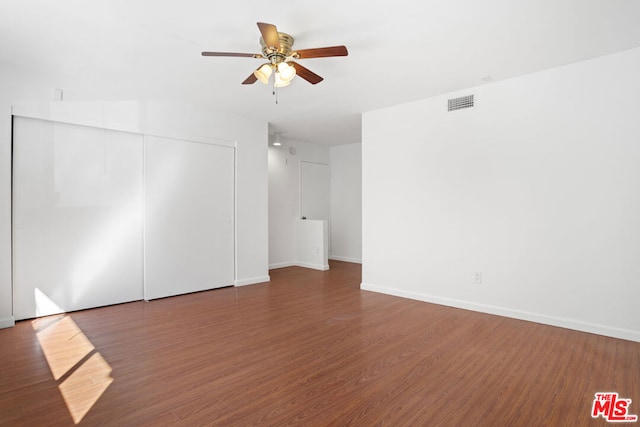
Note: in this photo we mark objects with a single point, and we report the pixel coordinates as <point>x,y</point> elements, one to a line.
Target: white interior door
<point>77,217</point>
<point>189,217</point>
<point>315,189</point>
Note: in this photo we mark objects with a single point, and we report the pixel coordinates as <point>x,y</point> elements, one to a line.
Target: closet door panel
<point>189,217</point>
<point>77,217</point>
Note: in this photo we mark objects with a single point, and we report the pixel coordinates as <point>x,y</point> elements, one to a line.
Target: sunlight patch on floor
<point>81,372</point>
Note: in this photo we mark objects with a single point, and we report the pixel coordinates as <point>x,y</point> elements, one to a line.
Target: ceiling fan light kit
<point>263,73</point>
<point>278,81</point>
<point>285,72</point>
<point>277,49</point>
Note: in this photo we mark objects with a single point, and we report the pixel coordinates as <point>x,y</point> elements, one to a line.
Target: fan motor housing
<point>274,55</point>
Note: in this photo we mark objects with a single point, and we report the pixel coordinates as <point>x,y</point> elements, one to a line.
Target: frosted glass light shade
<point>279,82</point>
<point>263,73</point>
<point>286,71</point>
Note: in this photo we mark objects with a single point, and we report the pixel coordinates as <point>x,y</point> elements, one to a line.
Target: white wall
<point>537,187</point>
<point>284,199</point>
<point>346,202</point>
<point>155,118</point>
<point>284,196</point>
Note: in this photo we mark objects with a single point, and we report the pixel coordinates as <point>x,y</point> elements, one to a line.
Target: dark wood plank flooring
<point>311,349</point>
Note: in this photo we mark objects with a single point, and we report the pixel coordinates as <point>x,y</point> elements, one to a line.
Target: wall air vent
<point>460,103</point>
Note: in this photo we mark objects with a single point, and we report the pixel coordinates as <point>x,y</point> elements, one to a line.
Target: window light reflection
<point>82,374</point>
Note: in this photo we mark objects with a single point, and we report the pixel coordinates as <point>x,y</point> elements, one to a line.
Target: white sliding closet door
<point>77,217</point>
<point>189,214</point>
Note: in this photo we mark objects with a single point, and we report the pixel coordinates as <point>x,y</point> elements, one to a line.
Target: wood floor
<point>311,349</point>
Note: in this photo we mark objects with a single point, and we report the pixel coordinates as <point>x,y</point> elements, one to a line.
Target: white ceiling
<point>398,51</point>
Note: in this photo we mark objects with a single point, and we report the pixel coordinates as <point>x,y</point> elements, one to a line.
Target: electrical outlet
<point>477,278</point>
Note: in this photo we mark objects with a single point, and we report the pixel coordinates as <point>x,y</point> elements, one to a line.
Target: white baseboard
<point>299,264</point>
<point>252,281</point>
<point>625,334</point>
<point>281,265</point>
<point>346,259</point>
<point>313,266</point>
<point>7,322</point>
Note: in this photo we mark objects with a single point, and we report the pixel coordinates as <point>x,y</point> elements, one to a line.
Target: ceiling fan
<point>277,50</point>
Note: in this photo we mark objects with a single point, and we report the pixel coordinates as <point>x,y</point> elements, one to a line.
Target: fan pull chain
<point>275,92</point>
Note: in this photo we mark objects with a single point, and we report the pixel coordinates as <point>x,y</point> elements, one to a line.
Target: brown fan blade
<point>306,73</point>
<point>244,55</point>
<point>269,35</point>
<point>321,52</point>
<point>250,80</point>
